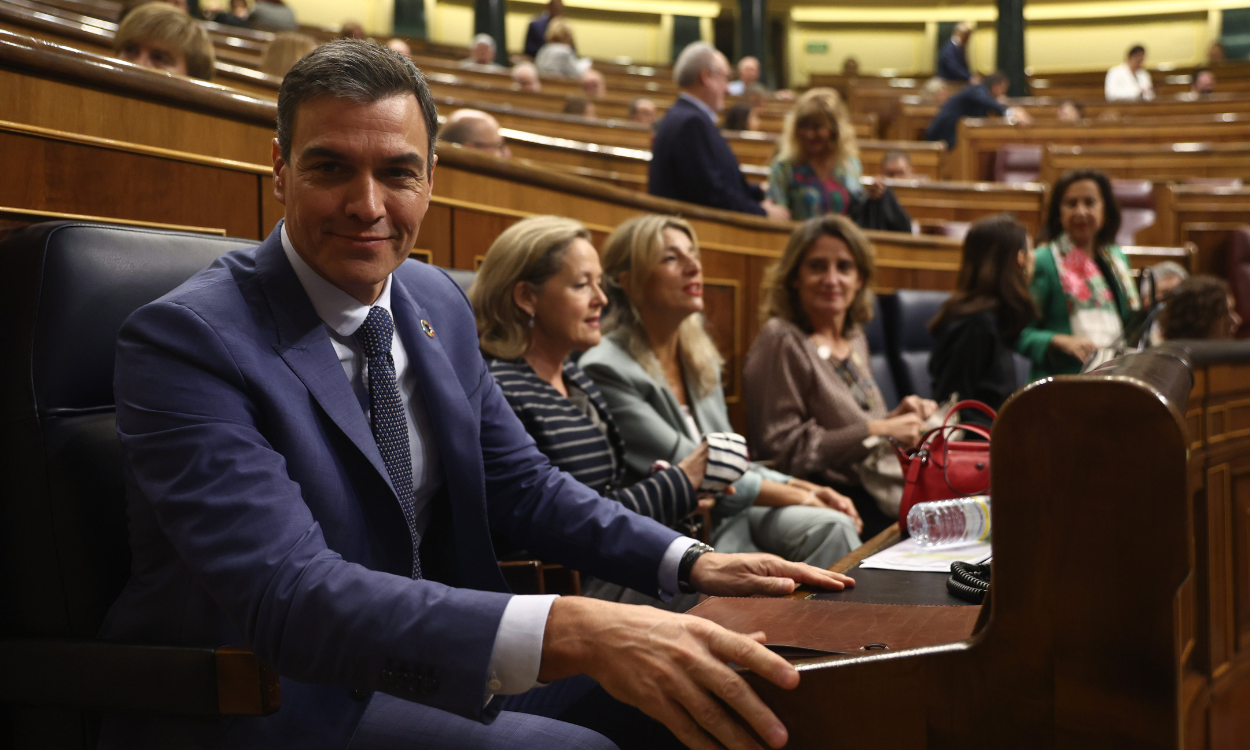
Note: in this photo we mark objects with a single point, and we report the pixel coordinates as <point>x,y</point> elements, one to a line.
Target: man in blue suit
<point>316,455</point>
<point>953,57</point>
<point>536,32</point>
<point>977,101</point>
<point>690,160</point>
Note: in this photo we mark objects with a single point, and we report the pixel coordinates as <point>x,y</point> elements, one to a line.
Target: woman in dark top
<point>976,329</point>
<point>537,299</point>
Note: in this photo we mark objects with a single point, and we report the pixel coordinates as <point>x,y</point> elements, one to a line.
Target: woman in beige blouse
<point>811,399</point>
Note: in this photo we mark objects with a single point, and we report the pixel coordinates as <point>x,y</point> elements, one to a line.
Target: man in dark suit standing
<point>953,58</point>
<point>980,100</point>
<point>316,455</point>
<point>536,34</point>
<point>690,160</point>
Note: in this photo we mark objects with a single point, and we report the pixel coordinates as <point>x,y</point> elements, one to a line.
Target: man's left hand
<point>750,574</point>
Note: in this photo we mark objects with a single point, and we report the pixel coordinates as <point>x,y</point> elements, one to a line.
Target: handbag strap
<point>980,406</point>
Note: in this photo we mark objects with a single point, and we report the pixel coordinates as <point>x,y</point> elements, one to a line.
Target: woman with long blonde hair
<point>817,170</point>
<point>659,371</point>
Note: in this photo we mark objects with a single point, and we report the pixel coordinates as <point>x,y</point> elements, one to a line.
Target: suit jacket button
<point>495,686</point>
<point>360,694</point>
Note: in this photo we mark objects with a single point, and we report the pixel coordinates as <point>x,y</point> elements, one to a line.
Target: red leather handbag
<point>941,469</point>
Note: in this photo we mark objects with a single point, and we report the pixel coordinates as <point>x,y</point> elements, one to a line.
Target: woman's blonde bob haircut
<point>284,51</point>
<point>634,250</point>
<point>161,22</point>
<point>826,106</point>
<point>778,295</point>
<point>532,251</point>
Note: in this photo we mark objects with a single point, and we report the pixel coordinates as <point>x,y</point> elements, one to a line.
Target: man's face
<point>486,137</point>
<point>1135,61</point>
<point>999,90</point>
<point>153,54</point>
<point>748,70</point>
<point>896,169</point>
<point>483,54</point>
<point>1204,82</point>
<point>716,82</point>
<point>356,188</point>
<point>645,112</point>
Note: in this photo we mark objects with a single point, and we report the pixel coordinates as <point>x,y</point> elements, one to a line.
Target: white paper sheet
<point>907,555</point>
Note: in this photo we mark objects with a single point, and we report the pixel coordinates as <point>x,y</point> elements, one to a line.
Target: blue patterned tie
<point>386,411</point>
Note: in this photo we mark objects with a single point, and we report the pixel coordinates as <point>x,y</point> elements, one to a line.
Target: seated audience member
<point>979,100</point>
<point>850,67</point>
<point>810,395</point>
<point>537,299</point>
<point>158,35</point>
<point>690,158</point>
<point>594,85</point>
<point>557,58</point>
<point>975,332</point>
<point>748,76</point>
<point>284,51</point>
<point>659,372</point>
<point>1166,276</point>
<point>896,165</point>
<point>817,168</point>
<point>935,91</point>
<point>236,16</point>
<point>643,110</point>
<point>742,117</point>
<point>352,30</point>
<point>1216,54</point>
<point>477,130</point>
<point>525,77</point>
<point>953,58</point>
<point>482,55</point>
<point>400,46</point>
<point>1204,82</point>
<point>755,95</point>
<point>1201,307</point>
<point>577,105</point>
<point>272,15</point>
<point>536,32</point>
<point>1084,290</point>
<point>1070,112</point>
<point>1129,81</point>
<point>312,474</point>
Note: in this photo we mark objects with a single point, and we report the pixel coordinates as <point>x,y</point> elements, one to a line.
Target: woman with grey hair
<point>659,372</point>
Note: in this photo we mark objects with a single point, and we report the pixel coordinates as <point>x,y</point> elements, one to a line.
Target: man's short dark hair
<point>362,71</point>
<point>993,79</point>
<point>1136,49</point>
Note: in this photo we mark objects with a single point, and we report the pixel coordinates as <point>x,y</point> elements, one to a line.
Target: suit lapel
<point>305,346</point>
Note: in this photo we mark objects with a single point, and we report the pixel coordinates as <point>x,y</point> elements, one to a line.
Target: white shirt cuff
<point>668,566</point>
<point>518,651</point>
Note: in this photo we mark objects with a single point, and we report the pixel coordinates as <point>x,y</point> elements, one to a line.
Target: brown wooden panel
<point>472,233</point>
<point>435,235</point>
<point>57,175</point>
<point>1240,500</point>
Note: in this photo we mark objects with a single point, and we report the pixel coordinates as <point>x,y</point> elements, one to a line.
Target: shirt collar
<point>336,308</point>
<point>711,113</point>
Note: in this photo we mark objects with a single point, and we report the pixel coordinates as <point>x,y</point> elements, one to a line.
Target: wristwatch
<point>692,553</point>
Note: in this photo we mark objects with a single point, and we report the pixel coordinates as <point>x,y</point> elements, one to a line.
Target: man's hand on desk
<point>673,667</point>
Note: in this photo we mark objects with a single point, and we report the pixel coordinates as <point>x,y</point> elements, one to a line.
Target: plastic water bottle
<point>946,522</point>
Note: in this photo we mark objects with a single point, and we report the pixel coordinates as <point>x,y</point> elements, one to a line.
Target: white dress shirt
<point>517,654</point>
<point>1123,85</point>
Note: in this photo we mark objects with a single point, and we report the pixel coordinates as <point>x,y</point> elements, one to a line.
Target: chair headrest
<point>69,288</point>
<point>916,308</point>
<point>1133,193</point>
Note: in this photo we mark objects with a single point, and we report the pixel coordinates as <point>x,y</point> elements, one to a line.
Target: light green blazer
<point>651,423</point>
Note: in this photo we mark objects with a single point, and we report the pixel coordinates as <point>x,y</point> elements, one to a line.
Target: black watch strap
<point>692,553</point>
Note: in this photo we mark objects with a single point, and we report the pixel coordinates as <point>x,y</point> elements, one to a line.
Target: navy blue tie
<point>386,412</point>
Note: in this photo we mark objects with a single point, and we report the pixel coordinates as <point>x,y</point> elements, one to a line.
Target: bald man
<point>748,76</point>
<point>594,84</point>
<point>473,128</point>
<point>953,60</point>
<point>525,77</point>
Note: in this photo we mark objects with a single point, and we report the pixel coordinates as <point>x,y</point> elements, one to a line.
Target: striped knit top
<point>593,455</point>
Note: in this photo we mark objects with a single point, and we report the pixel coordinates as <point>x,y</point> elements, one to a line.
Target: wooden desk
<point>1120,612</point>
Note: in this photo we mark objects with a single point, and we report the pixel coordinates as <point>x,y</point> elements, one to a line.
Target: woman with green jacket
<point>1082,283</point>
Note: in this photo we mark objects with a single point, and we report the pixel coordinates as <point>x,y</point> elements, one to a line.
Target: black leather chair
<point>462,277</point>
<point>878,354</point>
<point>64,554</point>
<point>907,315</point>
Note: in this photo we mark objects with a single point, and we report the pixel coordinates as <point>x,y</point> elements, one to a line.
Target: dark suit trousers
<point>570,714</point>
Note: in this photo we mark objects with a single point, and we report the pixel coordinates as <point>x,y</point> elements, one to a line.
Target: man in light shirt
<point>1129,81</point>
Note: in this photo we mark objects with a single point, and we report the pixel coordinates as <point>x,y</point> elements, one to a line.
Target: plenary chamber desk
<point>1119,614</point>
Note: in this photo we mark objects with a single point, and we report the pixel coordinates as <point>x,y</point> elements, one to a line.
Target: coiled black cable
<point>969,581</point>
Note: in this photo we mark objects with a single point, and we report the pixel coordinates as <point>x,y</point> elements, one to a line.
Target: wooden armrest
<point>538,577</point>
<point>174,680</point>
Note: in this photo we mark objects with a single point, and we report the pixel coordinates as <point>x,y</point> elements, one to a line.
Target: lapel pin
<point>429,329</point>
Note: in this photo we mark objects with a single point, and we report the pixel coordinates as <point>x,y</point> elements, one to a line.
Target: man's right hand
<point>670,666</point>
